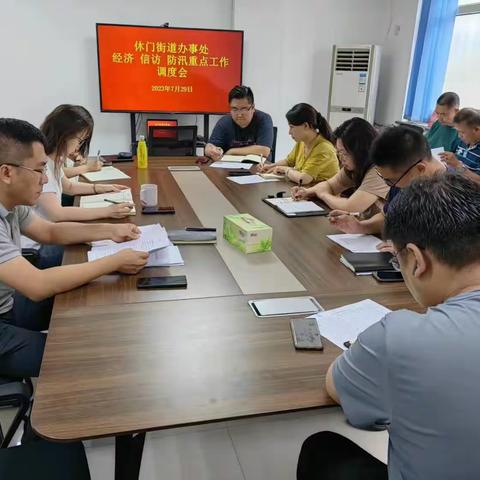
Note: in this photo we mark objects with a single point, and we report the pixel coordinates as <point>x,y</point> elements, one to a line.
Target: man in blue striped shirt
<point>467,155</point>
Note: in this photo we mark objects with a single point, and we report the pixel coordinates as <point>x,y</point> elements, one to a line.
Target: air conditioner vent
<point>352,59</point>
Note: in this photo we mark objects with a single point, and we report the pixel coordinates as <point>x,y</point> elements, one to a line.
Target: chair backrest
<point>274,144</point>
<point>177,141</point>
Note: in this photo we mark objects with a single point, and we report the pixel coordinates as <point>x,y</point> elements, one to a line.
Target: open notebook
<point>290,208</point>
<point>98,201</point>
<point>106,174</point>
<point>241,158</point>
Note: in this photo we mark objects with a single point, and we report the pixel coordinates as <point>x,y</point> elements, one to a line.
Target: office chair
<point>274,145</point>
<point>42,460</point>
<point>180,141</point>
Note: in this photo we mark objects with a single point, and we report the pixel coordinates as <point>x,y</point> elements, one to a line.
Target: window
<point>463,69</point>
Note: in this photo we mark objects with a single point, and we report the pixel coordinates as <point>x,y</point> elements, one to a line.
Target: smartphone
<point>388,276</point>
<point>178,281</point>
<point>157,210</point>
<point>306,334</point>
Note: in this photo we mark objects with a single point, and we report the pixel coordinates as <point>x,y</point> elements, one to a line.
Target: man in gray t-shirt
<point>22,175</point>
<point>416,374</point>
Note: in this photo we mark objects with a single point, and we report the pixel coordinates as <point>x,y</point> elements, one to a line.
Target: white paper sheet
<point>251,179</point>
<point>105,174</point>
<point>231,165</point>
<point>356,242</point>
<point>346,323</point>
<point>436,152</point>
<point>153,238</point>
<point>183,168</point>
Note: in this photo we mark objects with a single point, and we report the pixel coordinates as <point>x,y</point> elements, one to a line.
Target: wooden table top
<point>119,360</point>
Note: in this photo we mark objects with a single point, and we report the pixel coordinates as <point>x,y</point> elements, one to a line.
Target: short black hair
<point>441,214</point>
<point>469,116</point>
<point>357,136</point>
<point>399,148</point>
<point>449,99</point>
<point>239,92</point>
<point>16,139</point>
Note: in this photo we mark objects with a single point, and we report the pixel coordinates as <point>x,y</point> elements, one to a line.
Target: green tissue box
<point>247,233</point>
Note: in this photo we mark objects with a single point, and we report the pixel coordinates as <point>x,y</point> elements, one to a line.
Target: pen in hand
<point>115,202</point>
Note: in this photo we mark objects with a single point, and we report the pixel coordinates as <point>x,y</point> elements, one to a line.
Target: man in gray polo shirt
<point>416,374</point>
<point>22,175</point>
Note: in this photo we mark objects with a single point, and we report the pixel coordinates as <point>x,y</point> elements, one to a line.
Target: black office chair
<point>14,394</point>
<point>274,144</point>
<point>42,460</point>
<point>182,142</point>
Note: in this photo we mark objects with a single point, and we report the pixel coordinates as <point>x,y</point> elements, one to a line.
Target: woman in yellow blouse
<point>313,159</point>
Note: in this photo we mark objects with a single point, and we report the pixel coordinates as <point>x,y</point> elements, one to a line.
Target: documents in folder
<point>344,324</point>
<point>105,174</point>
<point>241,158</point>
<point>356,242</point>
<point>98,201</point>
<point>231,165</point>
<point>250,179</point>
<point>290,208</point>
<point>153,237</point>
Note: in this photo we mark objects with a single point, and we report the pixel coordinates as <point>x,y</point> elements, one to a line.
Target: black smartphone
<point>306,335</point>
<point>239,173</point>
<point>388,276</point>
<point>178,281</point>
<point>157,210</point>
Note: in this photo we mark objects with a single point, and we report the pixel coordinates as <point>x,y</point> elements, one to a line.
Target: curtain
<point>435,29</point>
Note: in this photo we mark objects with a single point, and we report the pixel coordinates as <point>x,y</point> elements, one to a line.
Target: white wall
<point>288,49</point>
<point>48,54</point>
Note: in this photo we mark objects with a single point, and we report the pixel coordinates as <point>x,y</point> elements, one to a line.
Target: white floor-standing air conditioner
<point>353,83</point>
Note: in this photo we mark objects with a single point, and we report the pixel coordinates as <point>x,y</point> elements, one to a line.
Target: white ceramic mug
<point>149,195</point>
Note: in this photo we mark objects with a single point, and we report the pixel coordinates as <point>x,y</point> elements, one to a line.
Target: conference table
<point>121,361</point>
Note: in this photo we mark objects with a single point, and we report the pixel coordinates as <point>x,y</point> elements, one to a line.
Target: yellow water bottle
<point>142,153</point>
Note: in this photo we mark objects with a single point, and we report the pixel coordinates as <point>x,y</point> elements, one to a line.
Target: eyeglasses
<point>394,260</point>
<point>392,183</point>
<point>236,111</point>
<point>42,171</point>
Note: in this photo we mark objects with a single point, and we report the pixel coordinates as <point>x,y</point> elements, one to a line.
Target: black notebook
<point>367,262</point>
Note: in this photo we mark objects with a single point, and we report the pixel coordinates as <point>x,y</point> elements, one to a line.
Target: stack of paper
<point>98,201</point>
<point>249,179</point>
<point>231,165</point>
<point>166,257</point>
<point>241,158</point>
<point>105,174</point>
<point>356,242</point>
<point>183,168</point>
<point>344,324</point>
<point>153,237</point>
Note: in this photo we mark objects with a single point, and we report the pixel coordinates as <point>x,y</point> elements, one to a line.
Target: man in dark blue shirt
<point>245,131</point>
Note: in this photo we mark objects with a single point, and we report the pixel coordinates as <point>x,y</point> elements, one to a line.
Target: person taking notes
<point>353,141</point>
<point>23,172</point>
<point>415,374</point>
<point>399,155</point>
<point>313,159</point>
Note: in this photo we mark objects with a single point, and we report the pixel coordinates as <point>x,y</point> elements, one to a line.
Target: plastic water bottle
<point>142,153</point>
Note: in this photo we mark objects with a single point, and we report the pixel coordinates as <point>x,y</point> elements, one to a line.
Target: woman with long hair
<point>313,158</point>
<point>353,140</point>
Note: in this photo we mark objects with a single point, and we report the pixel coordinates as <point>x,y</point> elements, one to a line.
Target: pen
<point>200,229</point>
<point>98,156</point>
<point>261,161</point>
<point>115,202</point>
